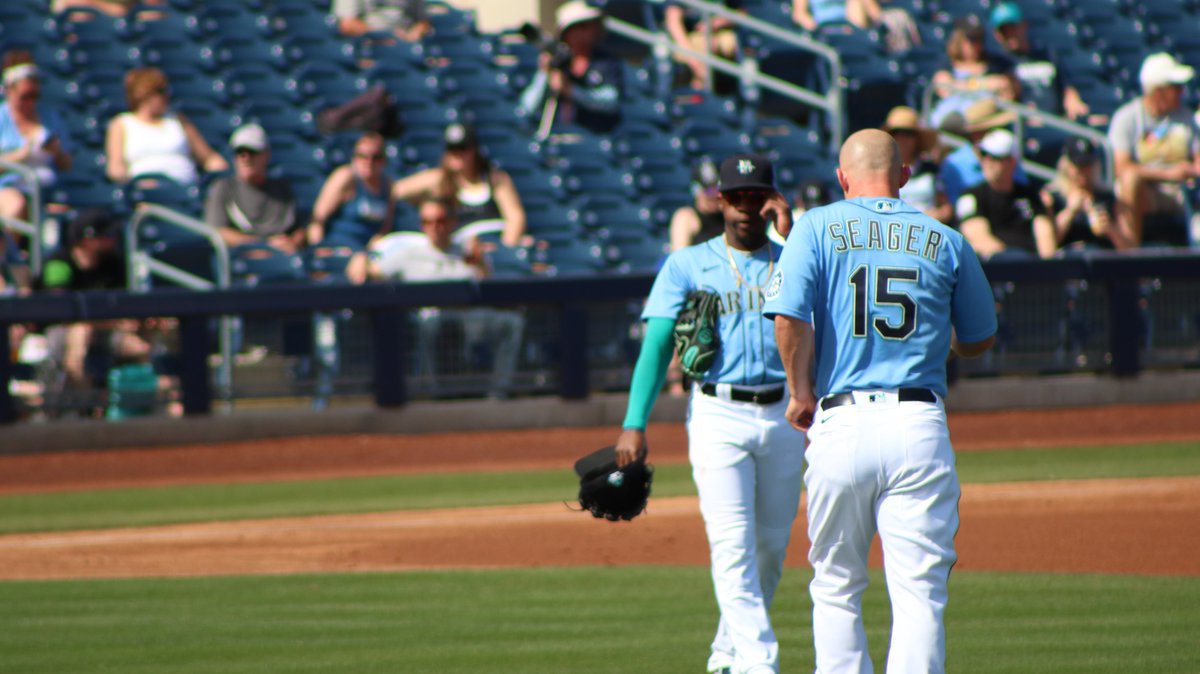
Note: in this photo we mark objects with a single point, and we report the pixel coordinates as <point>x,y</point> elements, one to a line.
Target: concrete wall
<point>1009,393</point>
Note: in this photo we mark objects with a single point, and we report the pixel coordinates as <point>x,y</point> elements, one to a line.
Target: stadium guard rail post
<point>389,304</point>
<point>141,265</point>
<point>1025,115</point>
<point>32,227</point>
<point>831,102</point>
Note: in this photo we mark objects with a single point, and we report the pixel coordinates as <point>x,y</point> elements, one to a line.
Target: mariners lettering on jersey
<point>892,236</point>
<point>736,302</point>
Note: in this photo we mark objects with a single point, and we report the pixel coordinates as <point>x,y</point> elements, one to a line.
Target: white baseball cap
<point>1161,69</point>
<point>249,136</point>
<point>998,143</point>
<point>573,12</point>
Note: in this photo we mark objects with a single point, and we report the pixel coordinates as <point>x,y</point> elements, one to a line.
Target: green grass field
<point>552,621</point>
<point>598,620</point>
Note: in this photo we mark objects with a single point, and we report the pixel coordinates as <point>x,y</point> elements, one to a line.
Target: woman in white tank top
<point>152,139</point>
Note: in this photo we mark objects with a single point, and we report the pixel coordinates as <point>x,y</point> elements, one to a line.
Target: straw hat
<point>985,115</point>
<point>904,118</point>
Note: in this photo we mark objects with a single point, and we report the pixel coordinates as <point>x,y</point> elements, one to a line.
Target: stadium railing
<point>830,102</point>
<point>31,228</point>
<point>1120,280</point>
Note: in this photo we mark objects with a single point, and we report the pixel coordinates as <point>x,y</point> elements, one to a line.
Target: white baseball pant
<point>747,462</point>
<point>880,464</point>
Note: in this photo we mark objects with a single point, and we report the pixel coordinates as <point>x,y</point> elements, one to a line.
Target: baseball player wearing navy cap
<point>746,459</point>
<point>880,295</point>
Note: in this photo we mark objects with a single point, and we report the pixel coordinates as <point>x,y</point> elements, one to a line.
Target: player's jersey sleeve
<point>670,288</point>
<point>972,311</point>
<point>792,290</point>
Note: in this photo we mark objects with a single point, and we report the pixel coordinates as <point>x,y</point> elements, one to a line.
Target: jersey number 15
<point>881,293</point>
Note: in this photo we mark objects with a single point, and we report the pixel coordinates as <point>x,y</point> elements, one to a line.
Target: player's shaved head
<point>870,165</point>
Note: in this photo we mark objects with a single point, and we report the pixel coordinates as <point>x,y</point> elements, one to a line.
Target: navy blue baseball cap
<point>747,172</point>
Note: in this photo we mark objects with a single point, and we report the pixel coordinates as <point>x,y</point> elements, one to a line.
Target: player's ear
<point>842,182</point>
<point>905,174</point>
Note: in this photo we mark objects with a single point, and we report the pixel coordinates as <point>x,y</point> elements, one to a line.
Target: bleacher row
<point>588,197</point>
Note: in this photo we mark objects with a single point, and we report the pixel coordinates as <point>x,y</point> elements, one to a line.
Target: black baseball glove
<point>611,492</point>
<point>696,335</point>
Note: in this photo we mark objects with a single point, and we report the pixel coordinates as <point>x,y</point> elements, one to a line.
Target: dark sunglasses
<point>369,155</point>
<point>997,157</point>
<point>434,221</point>
<point>246,152</point>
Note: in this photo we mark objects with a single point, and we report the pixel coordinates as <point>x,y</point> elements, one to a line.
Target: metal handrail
<point>140,265</point>
<point>33,227</point>
<point>831,101</point>
<point>1027,113</point>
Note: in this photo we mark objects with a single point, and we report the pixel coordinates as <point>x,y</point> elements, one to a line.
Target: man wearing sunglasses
<point>746,459</point>
<point>249,207</point>
<point>1001,216</point>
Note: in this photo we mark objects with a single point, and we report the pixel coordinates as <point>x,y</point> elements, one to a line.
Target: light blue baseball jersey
<point>748,355</point>
<point>882,283</point>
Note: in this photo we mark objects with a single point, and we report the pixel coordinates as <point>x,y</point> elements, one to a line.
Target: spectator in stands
<point>1155,150</point>
<point>356,205</point>
<point>152,139</point>
<point>973,73</point>
<point>687,30</point>
<point>30,134</point>
<point>584,89</point>
<point>249,206</point>
<point>1083,210</point>
<point>813,14</point>
<point>406,19</point>
<point>90,260</point>
<point>962,168</point>
<point>917,143</point>
<point>478,191</point>
<point>1035,71</point>
<point>1000,217</point>
<point>700,220</point>
<point>438,258</point>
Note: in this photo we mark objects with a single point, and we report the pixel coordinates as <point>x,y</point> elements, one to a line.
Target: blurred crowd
<point>977,184</point>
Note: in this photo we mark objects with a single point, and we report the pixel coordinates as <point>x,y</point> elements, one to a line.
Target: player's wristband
<point>649,373</point>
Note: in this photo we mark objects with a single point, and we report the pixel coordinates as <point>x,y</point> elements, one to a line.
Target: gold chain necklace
<point>733,265</point>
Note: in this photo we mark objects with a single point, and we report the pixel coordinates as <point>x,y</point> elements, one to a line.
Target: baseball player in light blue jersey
<point>881,294</point>
<point>746,459</point>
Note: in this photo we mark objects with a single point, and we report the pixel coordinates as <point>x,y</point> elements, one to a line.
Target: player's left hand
<point>776,205</point>
<point>801,409</point>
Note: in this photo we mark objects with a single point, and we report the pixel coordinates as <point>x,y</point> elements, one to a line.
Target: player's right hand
<point>800,411</point>
<point>631,446</point>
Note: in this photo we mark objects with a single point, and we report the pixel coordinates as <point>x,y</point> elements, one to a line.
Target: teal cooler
<point>132,391</point>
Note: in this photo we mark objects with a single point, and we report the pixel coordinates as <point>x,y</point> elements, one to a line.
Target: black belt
<point>758,396</point>
<point>904,395</point>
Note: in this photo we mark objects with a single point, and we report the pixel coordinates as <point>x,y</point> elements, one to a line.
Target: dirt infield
<point>1125,526</point>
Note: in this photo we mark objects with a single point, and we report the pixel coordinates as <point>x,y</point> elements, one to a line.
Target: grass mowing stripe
<point>193,503</point>
<point>548,621</point>
<point>207,502</point>
<point>1078,463</point>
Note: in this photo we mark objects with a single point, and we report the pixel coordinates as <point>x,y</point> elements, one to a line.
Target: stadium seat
<point>254,81</point>
<point>597,177</point>
<point>231,51</point>
<point>145,22</point>
<point>422,146</point>
<point>162,190</point>
<point>302,49</point>
<point>278,118</point>
<point>573,256</point>
<point>327,264</point>
<point>258,264</point>
<point>448,20</point>
<point>326,85</point>
<point>86,26</point>
<point>460,48</point>
<point>177,58</point>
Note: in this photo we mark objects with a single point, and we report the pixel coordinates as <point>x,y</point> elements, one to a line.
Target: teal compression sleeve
<point>650,372</point>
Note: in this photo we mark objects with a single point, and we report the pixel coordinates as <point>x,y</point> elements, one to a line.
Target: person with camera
<point>577,82</point>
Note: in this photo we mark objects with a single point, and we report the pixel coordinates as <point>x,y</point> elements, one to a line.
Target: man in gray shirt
<point>1156,152</point>
<point>405,19</point>
<point>249,207</point>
